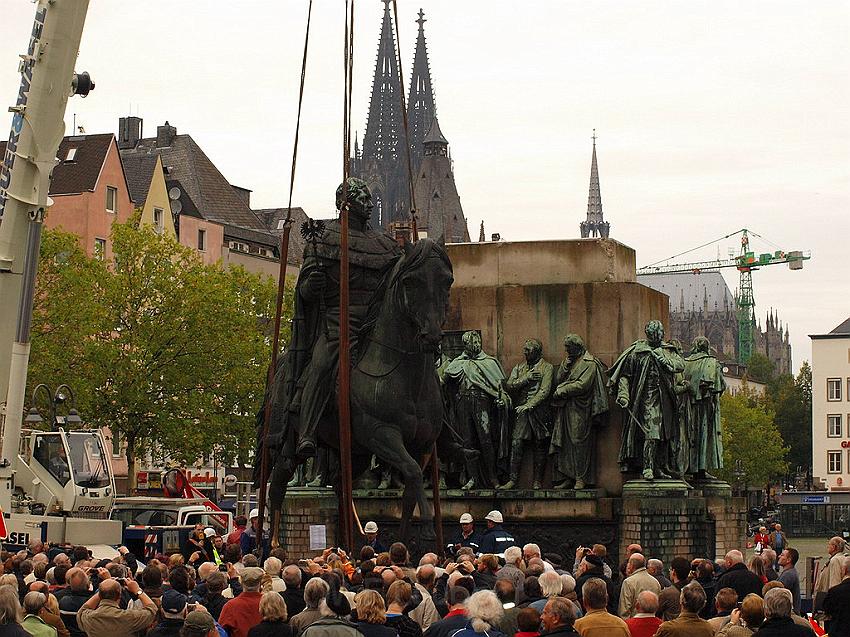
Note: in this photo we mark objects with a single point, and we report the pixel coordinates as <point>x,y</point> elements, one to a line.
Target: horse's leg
<point>389,446</point>
<point>278,481</point>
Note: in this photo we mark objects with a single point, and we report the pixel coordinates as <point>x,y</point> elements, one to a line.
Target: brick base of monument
<point>692,526</point>
<point>303,508</point>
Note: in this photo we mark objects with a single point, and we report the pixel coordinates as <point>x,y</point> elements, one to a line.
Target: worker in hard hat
<point>248,540</point>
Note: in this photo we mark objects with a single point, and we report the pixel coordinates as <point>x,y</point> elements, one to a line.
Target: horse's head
<point>421,284</point>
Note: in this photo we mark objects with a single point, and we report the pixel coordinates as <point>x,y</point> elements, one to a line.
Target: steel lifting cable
<point>675,256</point>
<point>281,286</point>
<point>415,233</point>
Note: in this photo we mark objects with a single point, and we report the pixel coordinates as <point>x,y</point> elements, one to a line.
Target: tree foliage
<point>750,436</point>
<point>166,351</point>
<point>791,400</point>
<point>760,368</point>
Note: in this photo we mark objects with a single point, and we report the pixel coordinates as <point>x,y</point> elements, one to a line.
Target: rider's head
<point>355,194</point>
<point>472,343</point>
<point>701,344</point>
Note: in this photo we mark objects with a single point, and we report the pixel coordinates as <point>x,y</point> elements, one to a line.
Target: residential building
<point>89,191</point>
<point>831,407</point>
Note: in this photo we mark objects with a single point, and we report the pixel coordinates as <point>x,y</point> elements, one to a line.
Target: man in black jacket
<point>456,618</point>
<point>593,566</point>
<point>777,613</point>
<point>836,605</point>
<point>738,576</point>
<point>71,599</point>
<point>293,596</point>
<point>496,539</point>
<point>466,535</point>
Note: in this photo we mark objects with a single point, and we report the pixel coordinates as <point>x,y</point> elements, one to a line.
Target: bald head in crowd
<point>734,557</point>
<point>109,589</point>
<point>646,602</point>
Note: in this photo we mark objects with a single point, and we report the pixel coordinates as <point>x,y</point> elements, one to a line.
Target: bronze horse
<point>396,405</point>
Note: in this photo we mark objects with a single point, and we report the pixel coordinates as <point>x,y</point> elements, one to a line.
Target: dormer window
<point>72,154</point>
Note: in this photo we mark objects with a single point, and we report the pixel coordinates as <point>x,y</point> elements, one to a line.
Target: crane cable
<point>281,288</point>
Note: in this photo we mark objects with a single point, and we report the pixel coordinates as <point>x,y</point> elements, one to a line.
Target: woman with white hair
<point>554,585</point>
<point>484,611</point>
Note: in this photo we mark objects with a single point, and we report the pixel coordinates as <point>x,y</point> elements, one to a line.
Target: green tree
<point>172,353</point>
<point>751,437</point>
<point>760,368</point>
<point>791,399</point>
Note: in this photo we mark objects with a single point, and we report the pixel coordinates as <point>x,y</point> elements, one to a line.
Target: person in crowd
<point>592,566</point>
<point>34,603</point>
<point>49,612</point>
<point>746,620</point>
<point>668,599</point>
<point>239,526</point>
<point>557,619</point>
<point>372,615</point>
<point>483,611</point>
<point>455,619</point>
<point>702,571</point>
<point>551,586</point>
<point>631,549</point>
<point>769,557</point>
<point>528,623</point>
<point>829,572</point>
<point>315,591</point>
<point>272,566</point>
<point>485,574</point>
<point>655,567</point>
<point>836,604</point>
<point>757,566</point>
<point>506,594</point>
<point>425,612</point>
<point>597,621</point>
<point>737,576</point>
<point>102,614</point>
<point>398,596</point>
<point>199,623</point>
<point>273,613</point>
<point>760,540</point>
<point>533,591</point>
<point>637,580</point>
<point>72,598</point>
<point>644,623</point>
<point>777,616</point>
<point>777,539</point>
<point>465,535</point>
<point>688,623</point>
<point>10,613</point>
<point>242,613</point>
<point>173,611</point>
<point>294,593</point>
<point>496,539</point>
<point>725,602</point>
<point>513,571</point>
<point>334,623</point>
<point>371,531</point>
<point>789,576</point>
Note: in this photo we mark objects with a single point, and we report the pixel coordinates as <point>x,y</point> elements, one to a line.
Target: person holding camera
<point>102,615</point>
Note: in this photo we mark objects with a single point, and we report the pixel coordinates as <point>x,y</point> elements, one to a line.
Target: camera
<point>222,568</point>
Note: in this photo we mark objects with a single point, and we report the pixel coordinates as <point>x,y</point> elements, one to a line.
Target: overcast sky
<point>711,115</point>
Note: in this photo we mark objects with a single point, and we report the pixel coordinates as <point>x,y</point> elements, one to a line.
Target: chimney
<point>129,132</point>
<point>165,135</point>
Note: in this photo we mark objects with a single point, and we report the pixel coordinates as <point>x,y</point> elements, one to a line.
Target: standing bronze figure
<point>704,376</point>
<point>581,407</point>
<point>530,385</point>
<point>642,378</point>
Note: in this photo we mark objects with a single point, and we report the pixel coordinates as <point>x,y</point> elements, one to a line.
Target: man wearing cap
<point>464,536</point>
<point>495,539</point>
<point>102,614</point>
<point>371,531</point>
<point>242,613</point>
<point>173,611</point>
<point>199,621</point>
<point>248,539</point>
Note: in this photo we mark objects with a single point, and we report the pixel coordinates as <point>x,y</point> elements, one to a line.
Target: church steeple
<point>421,108</point>
<point>481,238</point>
<point>595,225</point>
<point>384,141</point>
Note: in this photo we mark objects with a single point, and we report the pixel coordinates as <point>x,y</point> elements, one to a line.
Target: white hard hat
<point>209,532</point>
<point>494,516</point>
<point>466,518</point>
<point>255,513</point>
<point>370,527</point>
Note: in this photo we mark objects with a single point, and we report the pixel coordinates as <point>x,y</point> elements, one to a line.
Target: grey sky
<point>711,116</point>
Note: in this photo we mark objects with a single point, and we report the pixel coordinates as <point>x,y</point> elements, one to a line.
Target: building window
<point>99,248</point>
<point>833,462</point>
<point>72,154</point>
<point>833,389</point>
<point>112,199</point>
<point>833,426</point>
<point>202,240</point>
<point>158,220</point>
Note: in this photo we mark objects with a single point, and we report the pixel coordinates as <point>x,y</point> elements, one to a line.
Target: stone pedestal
<point>303,507</point>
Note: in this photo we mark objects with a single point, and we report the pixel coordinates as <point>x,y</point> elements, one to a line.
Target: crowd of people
<point>487,586</point>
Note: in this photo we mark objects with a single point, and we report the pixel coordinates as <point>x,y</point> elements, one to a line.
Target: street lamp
<point>55,399</point>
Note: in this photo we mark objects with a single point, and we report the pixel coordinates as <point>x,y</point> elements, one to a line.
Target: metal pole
<point>438,509</point>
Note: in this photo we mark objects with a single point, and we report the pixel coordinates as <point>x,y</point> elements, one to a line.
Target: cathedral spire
<point>481,238</point>
<point>595,225</point>
<point>384,140</point>
<point>421,108</point>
